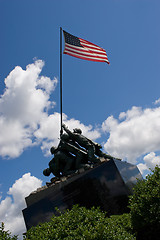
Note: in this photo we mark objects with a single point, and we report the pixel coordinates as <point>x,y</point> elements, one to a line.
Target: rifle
<point>73,149</point>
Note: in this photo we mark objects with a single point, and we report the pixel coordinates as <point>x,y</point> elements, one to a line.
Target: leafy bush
<point>145,206</point>
<point>81,223</point>
<point>6,235</point>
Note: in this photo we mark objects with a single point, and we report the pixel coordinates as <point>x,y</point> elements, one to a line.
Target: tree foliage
<point>145,206</point>
<point>6,235</point>
<point>82,223</point>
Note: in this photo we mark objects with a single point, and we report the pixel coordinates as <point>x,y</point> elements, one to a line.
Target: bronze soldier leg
<point>67,169</point>
<point>79,159</point>
<point>55,167</point>
<point>91,152</point>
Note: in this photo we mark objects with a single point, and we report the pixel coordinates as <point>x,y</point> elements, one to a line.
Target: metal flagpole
<point>61,131</point>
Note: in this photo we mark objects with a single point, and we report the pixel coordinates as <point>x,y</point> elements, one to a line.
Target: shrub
<point>145,206</point>
<point>81,223</point>
<point>6,235</point>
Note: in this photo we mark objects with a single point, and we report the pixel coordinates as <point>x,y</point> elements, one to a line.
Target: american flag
<point>80,48</point>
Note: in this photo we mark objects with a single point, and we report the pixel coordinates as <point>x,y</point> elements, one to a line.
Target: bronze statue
<point>72,147</point>
<point>61,164</point>
<point>74,151</point>
<point>96,146</point>
<point>84,142</point>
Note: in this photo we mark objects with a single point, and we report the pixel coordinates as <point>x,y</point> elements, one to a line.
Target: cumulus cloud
<point>150,161</point>
<point>11,207</point>
<point>143,168</point>
<point>24,102</point>
<point>24,118</point>
<point>135,133</point>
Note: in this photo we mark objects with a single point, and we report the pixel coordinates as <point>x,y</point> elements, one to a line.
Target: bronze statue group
<point>74,151</point>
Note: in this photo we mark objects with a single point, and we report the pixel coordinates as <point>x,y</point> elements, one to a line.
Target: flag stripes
<point>80,48</point>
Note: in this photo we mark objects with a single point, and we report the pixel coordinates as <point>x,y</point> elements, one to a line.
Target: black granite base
<point>106,186</point>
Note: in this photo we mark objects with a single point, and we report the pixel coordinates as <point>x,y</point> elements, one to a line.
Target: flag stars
<point>70,39</point>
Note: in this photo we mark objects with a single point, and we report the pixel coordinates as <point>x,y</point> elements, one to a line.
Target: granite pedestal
<point>106,185</point>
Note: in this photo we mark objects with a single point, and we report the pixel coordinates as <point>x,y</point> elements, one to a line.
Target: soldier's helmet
<point>46,172</point>
<point>77,130</point>
<point>52,150</point>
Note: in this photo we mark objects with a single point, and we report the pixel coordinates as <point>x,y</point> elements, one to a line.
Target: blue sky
<point>117,105</point>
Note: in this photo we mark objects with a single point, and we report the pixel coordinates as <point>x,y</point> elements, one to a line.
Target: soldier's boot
<point>67,169</point>
<point>78,163</point>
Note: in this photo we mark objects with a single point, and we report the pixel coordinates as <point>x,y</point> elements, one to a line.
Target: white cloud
<point>24,118</point>
<point>134,134</point>
<point>142,168</point>
<point>11,207</point>
<point>157,101</point>
<point>24,103</point>
<point>150,161</point>
<point>87,131</point>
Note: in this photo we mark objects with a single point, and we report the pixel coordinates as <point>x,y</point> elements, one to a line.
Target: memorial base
<point>106,186</point>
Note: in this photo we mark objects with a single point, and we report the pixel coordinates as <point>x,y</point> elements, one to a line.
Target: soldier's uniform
<point>69,145</point>
<point>83,142</point>
<point>60,164</point>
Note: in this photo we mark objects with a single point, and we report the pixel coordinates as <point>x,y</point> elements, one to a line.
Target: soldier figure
<point>72,147</point>
<point>84,142</point>
<point>73,152</point>
<point>61,164</point>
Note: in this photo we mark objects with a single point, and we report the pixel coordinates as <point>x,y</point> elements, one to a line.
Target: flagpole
<point>61,131</point>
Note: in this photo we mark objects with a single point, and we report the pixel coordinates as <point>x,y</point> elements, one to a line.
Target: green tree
<point>6,235</point>
<point>145,206</point>
<point>81,223</point>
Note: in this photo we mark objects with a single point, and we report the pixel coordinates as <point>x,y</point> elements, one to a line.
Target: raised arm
<point>67,131</point>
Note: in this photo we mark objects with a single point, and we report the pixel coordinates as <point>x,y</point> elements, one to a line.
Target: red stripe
<point>94,60</point>
<point>83,53</point>
<point>87,42</point>
<point>92,47</point>
<point>83,50</point>
<point>84,56</point>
